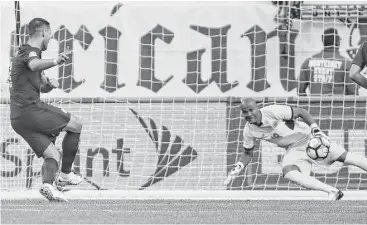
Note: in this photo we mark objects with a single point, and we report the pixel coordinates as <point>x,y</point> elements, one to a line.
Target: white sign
<point>134,146</point>
<point>171,49</point>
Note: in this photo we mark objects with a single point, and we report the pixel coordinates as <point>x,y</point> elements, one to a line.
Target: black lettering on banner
<point>7,156</point>
<point>193,78</point>
<point>147,77</point>
<point>257,37</point>
<point>111,38</point>
<point>66,40</point>
<point>120,151</point>
<point>90,157</point>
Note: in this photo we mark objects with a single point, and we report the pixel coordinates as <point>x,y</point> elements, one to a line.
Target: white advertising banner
<point>133,146</point>
<point>172,48</point>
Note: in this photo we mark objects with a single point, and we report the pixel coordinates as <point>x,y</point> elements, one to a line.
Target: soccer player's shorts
<point>40,124</point>
<point>297,156</point>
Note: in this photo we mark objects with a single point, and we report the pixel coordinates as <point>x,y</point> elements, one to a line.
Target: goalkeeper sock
<point>356,160</point>
<point>70,146</point>
<point>308,181</point>
<point>49,169</point>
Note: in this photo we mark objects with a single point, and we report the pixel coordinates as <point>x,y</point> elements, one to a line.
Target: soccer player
<point>37,122</point>
<point>358,64</point>
<point>326,73</point>
<point>277,124</point>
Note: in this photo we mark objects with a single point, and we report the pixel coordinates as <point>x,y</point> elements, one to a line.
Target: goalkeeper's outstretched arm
<point>309,120</point>
<point>243,161</point>
<point>245,157</point>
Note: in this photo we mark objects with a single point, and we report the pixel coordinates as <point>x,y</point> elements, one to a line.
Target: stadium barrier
<point>183,145</point>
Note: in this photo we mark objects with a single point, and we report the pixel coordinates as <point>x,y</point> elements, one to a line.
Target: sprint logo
<point>172,155</point>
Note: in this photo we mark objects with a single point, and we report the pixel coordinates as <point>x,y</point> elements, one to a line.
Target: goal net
<point>185,133</point>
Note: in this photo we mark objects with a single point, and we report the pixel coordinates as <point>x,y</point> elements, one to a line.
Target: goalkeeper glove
<point>234,173</point>
<point>316,131</point>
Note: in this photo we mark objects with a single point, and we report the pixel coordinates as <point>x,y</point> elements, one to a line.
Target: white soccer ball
<point>318,148</point>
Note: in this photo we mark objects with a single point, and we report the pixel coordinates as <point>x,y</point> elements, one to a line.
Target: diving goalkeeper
<point>277,124</point>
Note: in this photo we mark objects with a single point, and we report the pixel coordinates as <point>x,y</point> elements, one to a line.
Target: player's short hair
<point>35,24</point>
<point>331,37</point>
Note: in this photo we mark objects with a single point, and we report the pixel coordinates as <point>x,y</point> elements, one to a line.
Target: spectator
<point>326,73</point>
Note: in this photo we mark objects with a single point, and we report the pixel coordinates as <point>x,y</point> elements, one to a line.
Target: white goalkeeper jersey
<point>278,127</point>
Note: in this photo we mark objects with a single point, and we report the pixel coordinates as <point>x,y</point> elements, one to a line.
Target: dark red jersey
<point>361,56</point>
<point>25,84</point>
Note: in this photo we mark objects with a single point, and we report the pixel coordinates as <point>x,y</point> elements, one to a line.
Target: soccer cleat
<point>51,193</point>
<point>336,195</point>
<point>68,179</point>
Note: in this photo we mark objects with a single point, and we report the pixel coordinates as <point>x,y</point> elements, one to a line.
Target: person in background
<point>327,72</point>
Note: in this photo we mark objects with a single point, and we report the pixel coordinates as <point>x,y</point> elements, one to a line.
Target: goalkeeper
<point>37,122</point>
<point>277,124</point>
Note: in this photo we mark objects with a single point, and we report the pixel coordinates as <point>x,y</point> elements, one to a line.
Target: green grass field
<point>183,212</point>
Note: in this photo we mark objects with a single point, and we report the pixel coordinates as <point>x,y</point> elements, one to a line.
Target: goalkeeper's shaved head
<point>248,102</point>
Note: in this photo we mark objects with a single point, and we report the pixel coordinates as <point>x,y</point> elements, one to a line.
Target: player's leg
<point>297,168</point>
<point>50,169</point>
<point>50,165</point>
<point>70,146</point>
<point>42,146</point>
<point>338,153</point>
<point>54,120</point>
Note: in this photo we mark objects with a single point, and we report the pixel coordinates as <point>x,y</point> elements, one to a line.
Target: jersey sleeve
<point>29,55</point>
<point>279,112</point>
<point>360,58</point>
<point>248,139</point>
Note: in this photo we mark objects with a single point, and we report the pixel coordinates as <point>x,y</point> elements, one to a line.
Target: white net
<point>189,143</point>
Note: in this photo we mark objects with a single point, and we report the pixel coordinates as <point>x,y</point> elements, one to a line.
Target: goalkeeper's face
<point>251,112</point>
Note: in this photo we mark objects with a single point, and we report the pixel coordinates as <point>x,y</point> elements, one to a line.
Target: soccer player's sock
<point>308,181</point>
<point>70,146</point>
<point>356,160</point>
<point>49,169</point>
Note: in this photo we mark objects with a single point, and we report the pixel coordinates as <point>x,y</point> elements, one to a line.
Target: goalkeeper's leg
<point>70,146</point>
<point>338,153</point>
<point>297,168</point>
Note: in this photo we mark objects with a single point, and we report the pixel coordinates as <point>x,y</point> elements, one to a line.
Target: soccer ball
<point>318,148</point>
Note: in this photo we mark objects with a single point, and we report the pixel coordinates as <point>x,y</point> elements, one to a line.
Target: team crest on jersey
<point>275,136</point>
<point>32,54</point>
<point>275,124</point>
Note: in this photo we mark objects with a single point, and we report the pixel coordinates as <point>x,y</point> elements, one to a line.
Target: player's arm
<point>37,64</point>
<point>359,62</point>
<point>47,84</point>
<point>245,158</point>
<point>304,79</point>
<point>308,119</point>
<point>351,88</point>
<point>285,112</point>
